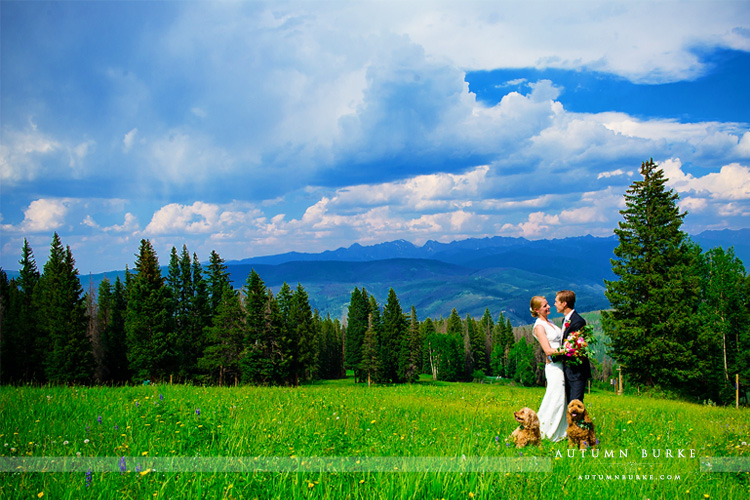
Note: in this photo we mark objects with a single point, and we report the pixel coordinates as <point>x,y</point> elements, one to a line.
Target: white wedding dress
<point>552,422</point>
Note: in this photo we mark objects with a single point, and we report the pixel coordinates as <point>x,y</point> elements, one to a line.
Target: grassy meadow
<point>441,424</point>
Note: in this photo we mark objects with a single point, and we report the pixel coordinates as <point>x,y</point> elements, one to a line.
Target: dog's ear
<point>586,417</point>
<point>534,420</point>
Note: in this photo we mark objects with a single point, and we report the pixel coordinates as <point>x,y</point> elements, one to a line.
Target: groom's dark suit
<point>575,375</point>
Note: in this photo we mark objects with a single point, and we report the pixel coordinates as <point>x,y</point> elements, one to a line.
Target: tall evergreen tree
<point>5,342</point>
<point>370,360</point>
<point>392,337</point>
<point>112,361</point>
<point>331,357</point>
<point>218,278</point>
<point>305,352</point>
<point>652,330</point>
<point>200,318</point>
<point>287,365</point>
<point>180,283</point>
<point>61,306</point>
<point>25,345</point>
<point>503,340</point>
<point>487,327</point>
<point>263,361</point>
<point>356,326</point>
<point>411,350</point>
<point>149,329</point>
<point>225,340</point>
<point>476,337</point>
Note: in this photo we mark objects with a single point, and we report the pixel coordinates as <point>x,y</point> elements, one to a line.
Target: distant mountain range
<point>498,273</point>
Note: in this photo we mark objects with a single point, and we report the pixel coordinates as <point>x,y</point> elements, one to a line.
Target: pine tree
<point>288,338</point>
<point>225,340</point>
<point>19,358</point>
<point>149,329</point>
<point>456,362</point>
<point>487,327</point>
<point>112,361</point>
<point>392,337</point>
<point>6,343</point>
<point>305,352</point>
<point>262,345</point>
<point>356,326</point>
<point>652,330</point>
<point>218,278</point>
<point>61,306</point>
<point>370,360</point>
<point>410,360</point>
<point>375,322</point>
<point>25,361</point>
<point>180,283</point>
<point>200,318</point>
<point>476,339</point>
<point>331,358</point>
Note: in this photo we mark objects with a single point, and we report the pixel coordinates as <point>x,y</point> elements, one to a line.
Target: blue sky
<point>255,128</point>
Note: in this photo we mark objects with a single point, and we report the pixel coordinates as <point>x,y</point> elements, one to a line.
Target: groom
<point>575,375</point>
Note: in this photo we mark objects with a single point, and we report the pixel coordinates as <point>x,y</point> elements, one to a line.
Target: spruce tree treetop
<point>218,279</point>
<point>147,265</point>
<point>28,274</point>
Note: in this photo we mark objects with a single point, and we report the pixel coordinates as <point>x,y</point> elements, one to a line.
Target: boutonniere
<point>567,324</point>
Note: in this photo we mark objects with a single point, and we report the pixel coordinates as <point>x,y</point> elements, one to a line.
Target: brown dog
<point>580,427</point>
<point>528,431</point>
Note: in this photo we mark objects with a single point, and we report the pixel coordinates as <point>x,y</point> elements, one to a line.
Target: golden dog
<point>580,427</point>
<point>528,431</point>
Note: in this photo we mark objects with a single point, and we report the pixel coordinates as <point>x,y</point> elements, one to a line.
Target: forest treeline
<point>193,326</point>
<point>679,321</point>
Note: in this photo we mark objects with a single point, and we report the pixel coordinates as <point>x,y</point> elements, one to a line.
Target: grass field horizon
<point>649,448</point>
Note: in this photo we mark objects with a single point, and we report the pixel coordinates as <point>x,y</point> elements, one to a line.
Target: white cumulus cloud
<point>42,215</point>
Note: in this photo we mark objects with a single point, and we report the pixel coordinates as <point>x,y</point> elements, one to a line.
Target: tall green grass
<point>341,419</point>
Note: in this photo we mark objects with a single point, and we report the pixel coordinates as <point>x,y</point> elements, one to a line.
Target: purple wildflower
<point>198,412</point>
<point>123,469</point>
<point>88,478</point>
<point>161,397</point>
<point>99,419</point>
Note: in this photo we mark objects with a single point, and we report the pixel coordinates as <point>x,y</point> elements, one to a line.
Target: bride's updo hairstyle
<point>536,303</point>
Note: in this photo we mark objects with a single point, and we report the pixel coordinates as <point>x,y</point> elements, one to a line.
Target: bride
<point>552,422</point>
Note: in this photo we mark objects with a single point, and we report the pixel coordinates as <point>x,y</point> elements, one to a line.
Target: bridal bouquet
<point>578,345</point>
